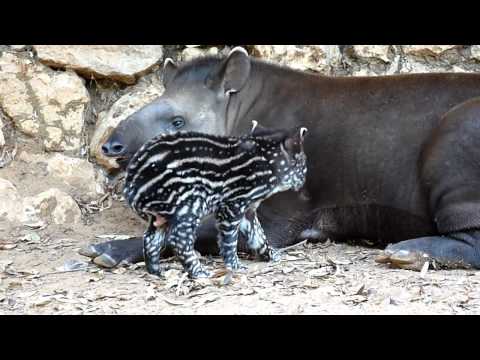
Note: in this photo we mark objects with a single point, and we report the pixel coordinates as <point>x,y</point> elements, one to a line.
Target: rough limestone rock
<point>18,47</point>
<point>369,52</point>
<point>475,50</point>
<point>42,102</point>
<point>2,138</point>
<point>426,50</point>
<point>191,53</point>
<point>79,175</point>
<point>121,109</point>
<point>320,58</point>
<point>51,206</point>
<point>10,201</point>
<point>124,63</point>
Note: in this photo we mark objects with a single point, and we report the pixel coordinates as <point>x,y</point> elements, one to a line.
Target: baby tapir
<point>175,180</point>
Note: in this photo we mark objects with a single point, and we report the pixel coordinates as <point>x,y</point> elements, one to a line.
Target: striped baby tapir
<point>176,180</point>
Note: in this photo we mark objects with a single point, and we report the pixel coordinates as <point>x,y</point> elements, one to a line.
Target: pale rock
<point>51,206</point>
<point>9,201</point>
<point>373,52</point>
<point>2,138</point>
<point>426,50</point>
<point>193,52</point>
<point>42,102</point>
<point>320,58</point>
<point>475,51</point>
<point>78,174</point>
<point>124,63</point>
<point>120,110</point>
<point>18,47</point>
<point>416,67</point>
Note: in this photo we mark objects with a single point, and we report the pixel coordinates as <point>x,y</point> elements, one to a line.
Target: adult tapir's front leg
<point>459,250</point>
<point>111,253</point>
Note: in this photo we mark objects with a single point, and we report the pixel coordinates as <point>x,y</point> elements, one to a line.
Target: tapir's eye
<point>178,122</point>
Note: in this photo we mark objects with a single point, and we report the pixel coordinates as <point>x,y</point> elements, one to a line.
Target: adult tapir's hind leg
<point>450,174</point>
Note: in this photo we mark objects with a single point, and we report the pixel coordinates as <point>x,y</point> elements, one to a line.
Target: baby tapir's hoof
<point>235,265</point>
<point>269,254</point>
<point>272,255</point>
<point>155,269</point>
<point>200,273</point>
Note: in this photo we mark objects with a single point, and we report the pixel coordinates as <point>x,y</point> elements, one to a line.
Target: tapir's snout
<point>132,132</point>
<point>113,148</point>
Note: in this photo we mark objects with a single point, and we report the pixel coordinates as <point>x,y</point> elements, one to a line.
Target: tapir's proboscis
<point>395,159</point>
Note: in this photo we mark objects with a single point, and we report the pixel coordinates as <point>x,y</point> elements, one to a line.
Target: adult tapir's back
<point>367,138</point>
<point>368,135</point>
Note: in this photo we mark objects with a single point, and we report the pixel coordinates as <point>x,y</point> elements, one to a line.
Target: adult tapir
<point>392,158</point>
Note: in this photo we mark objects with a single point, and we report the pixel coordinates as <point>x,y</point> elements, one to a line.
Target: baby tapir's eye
<point>178,122</point>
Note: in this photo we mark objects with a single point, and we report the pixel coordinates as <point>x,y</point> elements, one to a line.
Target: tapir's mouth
<point>122,161</point>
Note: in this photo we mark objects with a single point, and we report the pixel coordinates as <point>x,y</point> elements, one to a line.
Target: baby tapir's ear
<point>303,133</point>
<point>294,143</point>
<point>257,128</point>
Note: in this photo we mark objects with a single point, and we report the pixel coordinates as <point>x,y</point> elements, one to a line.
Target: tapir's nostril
<point>113,149</point>
<point>117,149</point>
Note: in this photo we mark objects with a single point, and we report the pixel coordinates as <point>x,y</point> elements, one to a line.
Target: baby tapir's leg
<point>182,237</point>
<point>228,223</point>
<point>257,242</point>
<point>153,246</point>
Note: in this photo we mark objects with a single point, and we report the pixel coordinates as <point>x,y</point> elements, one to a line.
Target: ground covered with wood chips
<point>41,273</point>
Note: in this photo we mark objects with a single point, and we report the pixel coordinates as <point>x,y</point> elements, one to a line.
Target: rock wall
<point>59,103</point>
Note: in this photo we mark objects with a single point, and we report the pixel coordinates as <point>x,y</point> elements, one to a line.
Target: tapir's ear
<point>169,71</point>
<point>254,126</point>
<point>303,133</point>
<point>233,74</point>
<point>294,144</point>
<point>257,129</point>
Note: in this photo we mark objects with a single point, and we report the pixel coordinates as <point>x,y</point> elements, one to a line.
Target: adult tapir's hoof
<point>457,251</point>
<point>111,253</point>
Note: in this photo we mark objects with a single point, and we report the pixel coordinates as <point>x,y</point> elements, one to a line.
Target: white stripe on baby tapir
<point>199,160</point>
<point>250,193</point>
<point>193,180</point>
<point>148,184</point>
<point>192,139</point>
<point>134,164</point>
<point>241,166</point>
<point>150,161</point>
<point>259,174</point>
<point>232,191</point>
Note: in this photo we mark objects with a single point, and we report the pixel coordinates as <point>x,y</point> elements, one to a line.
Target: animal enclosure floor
<point>41,273</point>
